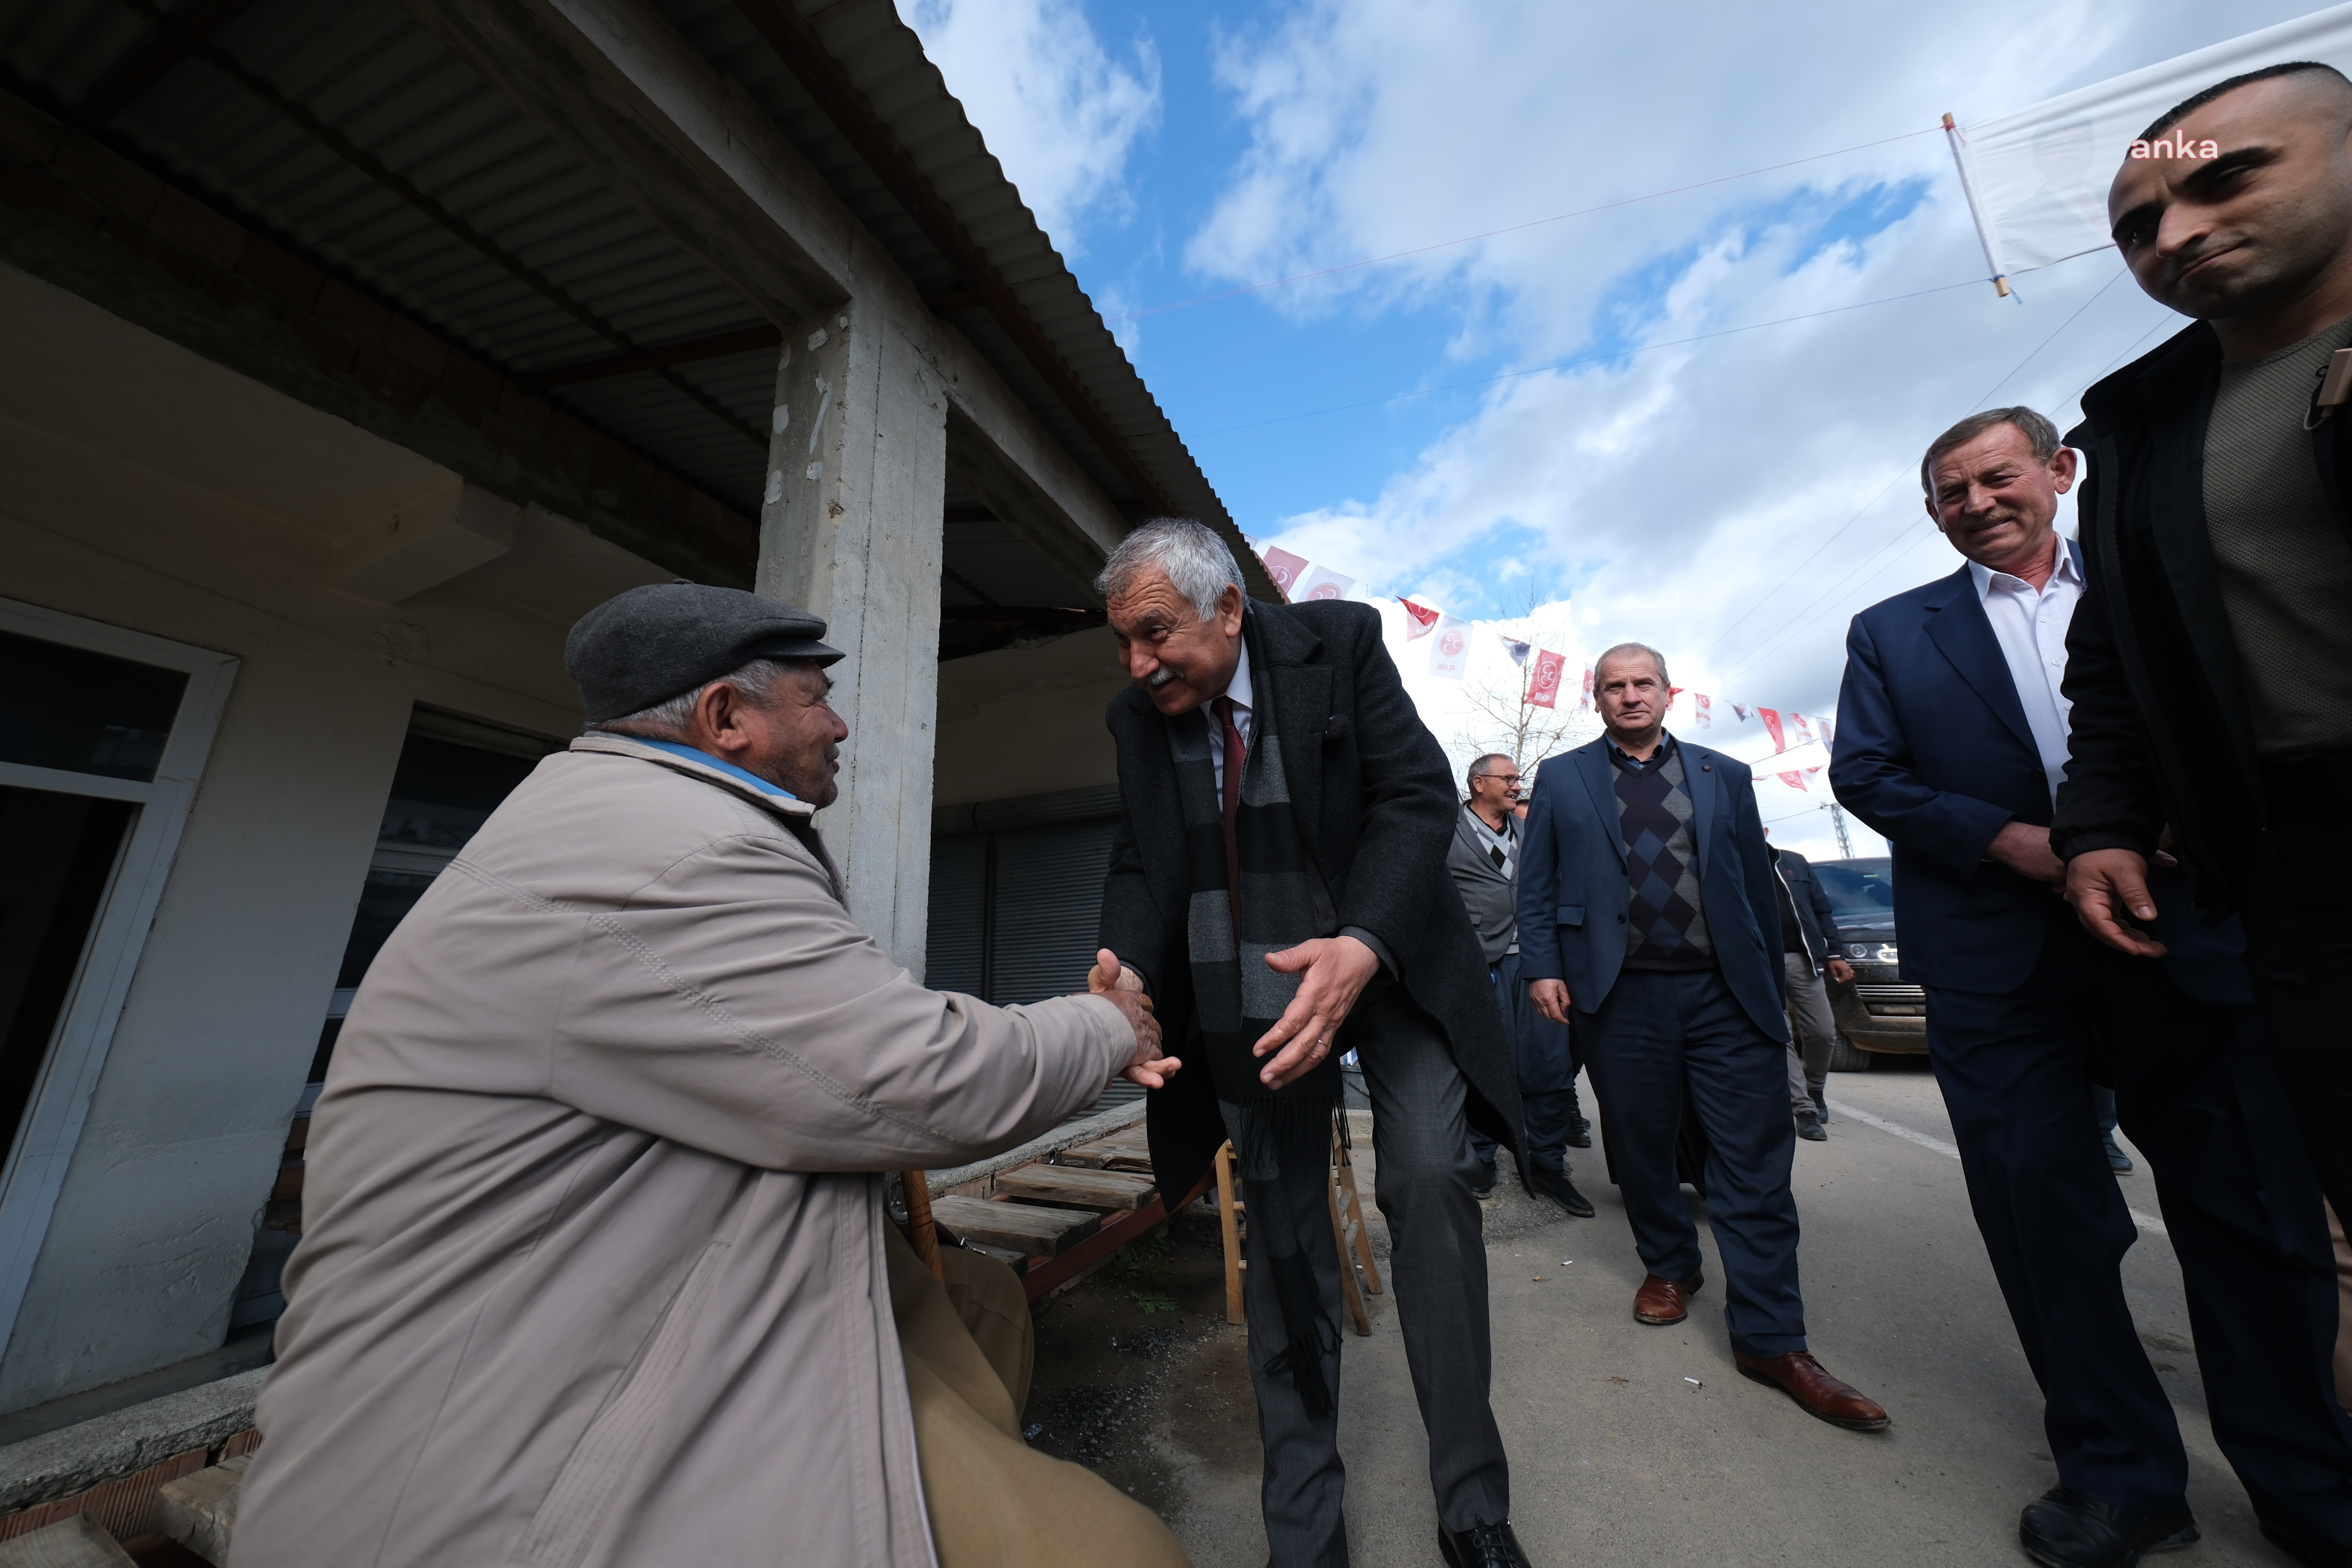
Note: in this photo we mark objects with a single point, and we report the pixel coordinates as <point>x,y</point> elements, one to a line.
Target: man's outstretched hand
<point>1333,972</point>
<point>1123,989</point>
<point>1550,997</point>
<point>2104,881</point>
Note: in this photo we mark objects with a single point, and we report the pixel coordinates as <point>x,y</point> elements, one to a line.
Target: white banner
<point>1449,650</point>
<point>2038,177</point>
<point>1320,583</point>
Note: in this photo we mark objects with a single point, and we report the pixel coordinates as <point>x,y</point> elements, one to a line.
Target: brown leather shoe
<point>1801,1378</point>
<point>1665,1300</point>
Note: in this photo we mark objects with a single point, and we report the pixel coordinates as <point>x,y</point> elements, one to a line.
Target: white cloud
<point>1680,490</point>
<point>1059,111</point>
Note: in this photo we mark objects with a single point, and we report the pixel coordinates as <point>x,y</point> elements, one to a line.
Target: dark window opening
<point>59,852</point>
<point>84,712</point>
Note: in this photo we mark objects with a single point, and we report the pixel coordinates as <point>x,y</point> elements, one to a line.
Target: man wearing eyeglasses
<point>1483,858</point>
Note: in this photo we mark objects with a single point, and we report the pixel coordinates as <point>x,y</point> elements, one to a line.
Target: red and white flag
<point>1449,653</point>
<point>1804,731</point>
<point>1586,702</point>
<point>1321,583</point>
<point>1797,780</point>
<point>1420,620</point>
<point>1543,678</point>
<point>1829,734</point>
<point>1703,708</point>
<point>1283,568</point>
<point>1771,718</point>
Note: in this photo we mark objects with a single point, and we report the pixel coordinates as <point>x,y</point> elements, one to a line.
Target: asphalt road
<point>1618,1456</point>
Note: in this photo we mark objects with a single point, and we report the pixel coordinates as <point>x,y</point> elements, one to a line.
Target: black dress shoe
<point>2309,1550</point>
<point>1481,1546</point>
<point>1482,1184</point>
<point>2067,1529</point>
<point>1808,1127</point>
<point>1555,1185</point>
<point>1580,1133</point>
<point>1820,1097</point>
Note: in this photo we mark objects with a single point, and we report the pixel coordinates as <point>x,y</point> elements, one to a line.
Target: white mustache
<point>1160,677</point>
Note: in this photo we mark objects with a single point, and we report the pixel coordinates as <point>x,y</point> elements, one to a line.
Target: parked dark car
<point>1877,1011</point>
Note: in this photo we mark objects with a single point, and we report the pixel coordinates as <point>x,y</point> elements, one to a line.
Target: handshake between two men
<point>1333,972</point>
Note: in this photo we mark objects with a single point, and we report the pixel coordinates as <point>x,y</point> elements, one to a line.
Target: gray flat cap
<point>656,642</point>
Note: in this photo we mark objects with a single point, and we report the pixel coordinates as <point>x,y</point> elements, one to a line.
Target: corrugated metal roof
<point>229,122</point>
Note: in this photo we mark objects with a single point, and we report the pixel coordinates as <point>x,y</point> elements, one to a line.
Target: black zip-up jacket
<point>2161,730</point>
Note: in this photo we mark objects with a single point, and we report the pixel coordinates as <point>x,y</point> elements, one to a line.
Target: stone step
<point>199,1511</point>
<point>1072,1186</point>
<point>1024,1228</point>
<point>77,1542</point>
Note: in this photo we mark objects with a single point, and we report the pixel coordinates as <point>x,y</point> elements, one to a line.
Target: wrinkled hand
<point>2025,850</point>
<point>1334,971</point>
<point>2104,881</point>
<point>1550,997</point>
<point>1123,989</point>
<point>1841,971</point>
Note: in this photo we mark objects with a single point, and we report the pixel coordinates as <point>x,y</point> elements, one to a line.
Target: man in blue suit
<point>1645,897</point>
<point>1952,742</point>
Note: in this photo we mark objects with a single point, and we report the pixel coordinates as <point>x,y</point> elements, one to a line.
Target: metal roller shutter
<point>1049,883</point>
<point>951,959</point>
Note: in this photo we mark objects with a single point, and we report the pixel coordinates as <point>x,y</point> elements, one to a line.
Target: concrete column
<point>850,528</point>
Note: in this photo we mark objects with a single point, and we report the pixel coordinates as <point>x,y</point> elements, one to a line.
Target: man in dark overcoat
<point>1277,888</point>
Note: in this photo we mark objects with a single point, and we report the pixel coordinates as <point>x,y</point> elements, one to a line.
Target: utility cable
<point>1508,228</point>
<point>1913,542</point>
<point>1588,358</point>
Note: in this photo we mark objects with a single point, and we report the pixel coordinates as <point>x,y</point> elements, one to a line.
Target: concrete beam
<point>663,127</point>
<point>425,545</point>
<point>851,529</point>
<point>655,120</point>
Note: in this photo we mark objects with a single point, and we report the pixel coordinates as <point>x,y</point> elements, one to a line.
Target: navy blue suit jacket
<point>1933,752</point>
<point>1573,893</point>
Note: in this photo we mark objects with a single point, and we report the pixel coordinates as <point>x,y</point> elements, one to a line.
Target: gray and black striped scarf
<point>1281,901</point>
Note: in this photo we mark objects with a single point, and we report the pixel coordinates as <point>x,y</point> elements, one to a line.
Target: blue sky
<point>1733,499</point>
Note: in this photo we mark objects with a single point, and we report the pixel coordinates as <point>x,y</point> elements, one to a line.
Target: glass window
<point>84,712</point>
<point>442,792</point>
<point>1860,892</point>
<point>57,855</point>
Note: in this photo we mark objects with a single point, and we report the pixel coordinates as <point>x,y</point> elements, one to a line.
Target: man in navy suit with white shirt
<point>1952,742</point>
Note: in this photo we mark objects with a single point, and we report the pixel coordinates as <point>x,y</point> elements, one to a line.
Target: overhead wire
<point>1912,541</point>
<point>1586,359</point>
<point>1507,228</point>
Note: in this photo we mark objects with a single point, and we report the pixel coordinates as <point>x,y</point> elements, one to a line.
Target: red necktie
<point>1231,735</point>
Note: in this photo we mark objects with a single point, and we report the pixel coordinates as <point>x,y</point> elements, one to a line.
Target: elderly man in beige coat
<point>597,1270</point>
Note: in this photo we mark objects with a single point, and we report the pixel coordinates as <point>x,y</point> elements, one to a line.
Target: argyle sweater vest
<point>1666,922</point>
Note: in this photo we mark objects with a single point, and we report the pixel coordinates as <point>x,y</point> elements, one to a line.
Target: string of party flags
<point>1449,660</point>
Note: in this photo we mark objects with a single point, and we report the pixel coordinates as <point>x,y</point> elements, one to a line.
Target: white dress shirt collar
<point>2030,623</point>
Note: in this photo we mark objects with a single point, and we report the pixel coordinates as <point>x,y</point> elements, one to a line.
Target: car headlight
<point>1857,950</point>
<point>1887,953</point>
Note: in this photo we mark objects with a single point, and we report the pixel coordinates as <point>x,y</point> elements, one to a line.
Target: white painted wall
<point>203,508</point>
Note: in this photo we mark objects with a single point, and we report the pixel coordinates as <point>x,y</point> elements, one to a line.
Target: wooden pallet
<point>1076,1187</point>
<point>1126,1149</point>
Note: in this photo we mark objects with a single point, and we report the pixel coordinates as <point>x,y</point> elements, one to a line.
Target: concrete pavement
<point>1617,1457</point>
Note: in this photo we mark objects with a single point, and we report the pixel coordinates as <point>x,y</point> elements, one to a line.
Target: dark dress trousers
<point>1933,752</point>
<point>2162,733</point>
<point>1374,801</point>
<point>1543,1053</point>
<point>1649,1039</point>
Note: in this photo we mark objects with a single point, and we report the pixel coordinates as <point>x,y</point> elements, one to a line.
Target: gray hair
<point>1479,769</point>
<point>1625,648</point>
<point>668,719</point>
<point>2039,433</point>
<point>1196,561</point>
